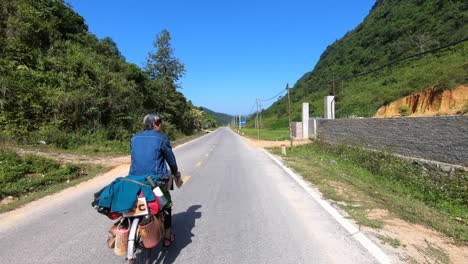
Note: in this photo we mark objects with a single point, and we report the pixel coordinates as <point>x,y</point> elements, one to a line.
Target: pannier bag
<point>150,231</point>
<point>121,241</point>
<point>111,239</point>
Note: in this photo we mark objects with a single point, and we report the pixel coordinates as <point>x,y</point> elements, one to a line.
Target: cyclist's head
<point>151,119</point>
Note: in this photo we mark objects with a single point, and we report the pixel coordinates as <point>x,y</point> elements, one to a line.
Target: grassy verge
<point>267,134</point>
<point>98,148</point>
<point>30,177</point>
<point>360,180</point>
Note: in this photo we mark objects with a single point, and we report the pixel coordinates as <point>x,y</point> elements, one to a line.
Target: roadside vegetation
<point>61,84</point>
<point>62,89</point>
<point>93,145</point>
<point>29,177</point>
<point>361,180</point>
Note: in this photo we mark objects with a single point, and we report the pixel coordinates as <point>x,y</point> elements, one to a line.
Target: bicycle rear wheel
<point>137,253</point>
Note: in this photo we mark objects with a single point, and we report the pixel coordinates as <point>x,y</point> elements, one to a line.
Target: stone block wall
<point>440,138</point>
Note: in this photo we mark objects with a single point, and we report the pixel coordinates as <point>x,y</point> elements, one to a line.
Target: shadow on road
<point>183,224</point>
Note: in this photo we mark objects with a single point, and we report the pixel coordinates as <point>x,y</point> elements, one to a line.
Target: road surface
<point>237,206</point>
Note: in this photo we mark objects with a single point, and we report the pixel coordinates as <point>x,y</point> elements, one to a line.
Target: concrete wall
<point>442,138</point>
<point>296,129</point>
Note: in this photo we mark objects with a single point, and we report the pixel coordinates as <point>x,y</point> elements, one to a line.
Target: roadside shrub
<point>404,110</point>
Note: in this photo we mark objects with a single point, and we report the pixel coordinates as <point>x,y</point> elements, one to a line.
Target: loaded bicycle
<point>136,232</point>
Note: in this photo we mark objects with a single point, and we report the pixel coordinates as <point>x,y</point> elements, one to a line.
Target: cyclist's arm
<point>169,156</point>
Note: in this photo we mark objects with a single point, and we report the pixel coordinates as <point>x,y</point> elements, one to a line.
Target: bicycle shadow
<point>183,224</point>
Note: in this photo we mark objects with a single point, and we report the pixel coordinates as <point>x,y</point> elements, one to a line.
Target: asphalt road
<point>237,206</point>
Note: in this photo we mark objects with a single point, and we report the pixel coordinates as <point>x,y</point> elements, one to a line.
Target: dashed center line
<point>185,179</point>
<point>206,155</point>
<point>199,164</point>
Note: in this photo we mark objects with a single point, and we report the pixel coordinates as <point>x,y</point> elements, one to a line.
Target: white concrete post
<point>315,128</point>
<point>305,120</point>
<point>329,110</point>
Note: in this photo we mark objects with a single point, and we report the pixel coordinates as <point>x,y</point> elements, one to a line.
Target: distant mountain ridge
<point>394,29</point>
<point>221,117</point>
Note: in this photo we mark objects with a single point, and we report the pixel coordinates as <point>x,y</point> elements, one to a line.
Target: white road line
<point>360,237</point>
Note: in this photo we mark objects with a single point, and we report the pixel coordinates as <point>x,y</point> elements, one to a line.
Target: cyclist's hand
<point>178,179</point>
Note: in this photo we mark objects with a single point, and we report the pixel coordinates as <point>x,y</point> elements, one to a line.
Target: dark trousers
<point>167,217</point>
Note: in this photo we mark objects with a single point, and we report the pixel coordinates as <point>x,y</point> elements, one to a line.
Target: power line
<point>252,109</point>
<point>282,91</point>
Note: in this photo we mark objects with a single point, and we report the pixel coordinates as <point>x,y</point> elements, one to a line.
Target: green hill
<point>393,30</point>
<point>223,119</point>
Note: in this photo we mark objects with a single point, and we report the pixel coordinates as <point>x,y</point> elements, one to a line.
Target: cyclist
<point>150,150</point>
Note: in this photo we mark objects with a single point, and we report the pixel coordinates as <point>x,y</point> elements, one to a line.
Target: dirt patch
<point>269,144</point>
<point>74,158</point>
<point>432,102</point>
<point>7,200</point>
<point>418,243</point>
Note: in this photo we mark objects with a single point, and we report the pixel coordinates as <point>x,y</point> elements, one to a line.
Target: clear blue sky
<point>234,51</point>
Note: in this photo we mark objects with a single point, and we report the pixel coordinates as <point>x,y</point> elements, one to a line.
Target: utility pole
<point>240,124</point>
<point>334,88</point>
<point>257,123</point>
<point>289,113</point>
<point>261,123</point>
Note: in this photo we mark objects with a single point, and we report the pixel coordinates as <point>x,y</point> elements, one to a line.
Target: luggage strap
<point>137,182</point>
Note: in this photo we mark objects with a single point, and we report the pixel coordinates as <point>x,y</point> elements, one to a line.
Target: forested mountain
<point>393,30</point>
<point>58,79</point>
<point>222,119</point>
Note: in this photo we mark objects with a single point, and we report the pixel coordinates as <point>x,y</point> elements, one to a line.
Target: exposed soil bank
<point>431,102</point>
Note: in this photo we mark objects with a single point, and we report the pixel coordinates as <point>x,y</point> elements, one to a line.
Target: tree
<point>161,95</point>
<point>162,65</point>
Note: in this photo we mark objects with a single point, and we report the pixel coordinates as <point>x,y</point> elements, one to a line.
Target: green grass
<point>374,180</point>
<point>267,134</point>
<point>394,242</point>
<point>51,189</point>
<point>359,214</point>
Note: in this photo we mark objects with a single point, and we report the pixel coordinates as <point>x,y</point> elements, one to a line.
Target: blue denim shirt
<point>150,151</point>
